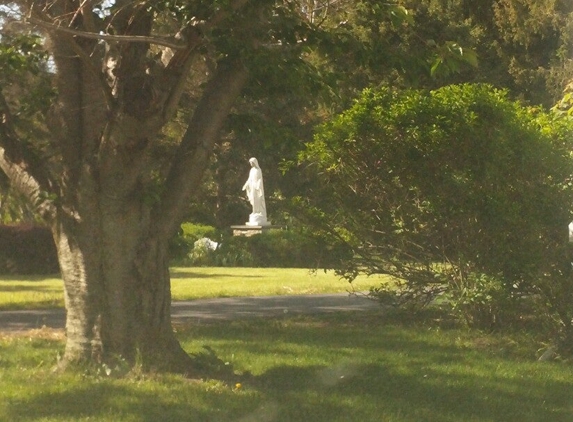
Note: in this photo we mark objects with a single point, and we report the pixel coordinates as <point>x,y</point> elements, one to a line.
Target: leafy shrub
<point>203,252</point>
<point>182,244</point>
<point>483,301</point>
<point>458,191</point>
<point>287,249</point>
<point>233,252</point>
<point>275,248</point>
<point>195,232</point>
<point>27,249</point>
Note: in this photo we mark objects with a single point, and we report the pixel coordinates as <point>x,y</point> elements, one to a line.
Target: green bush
<point>483,301</point>
<point>182,244</point>
<point>195,232</point>
<point>274,248</point>
<point>458,191</point>
<point>233,252</point>
<point>27,249</point>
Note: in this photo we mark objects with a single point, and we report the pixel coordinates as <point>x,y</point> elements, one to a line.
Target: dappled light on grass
<point>203,282</point>
<point>33,292</point>
<point>30,292</point>
<point>336,367</point>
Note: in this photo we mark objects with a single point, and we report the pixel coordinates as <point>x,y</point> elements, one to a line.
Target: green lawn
<point>339,367</point>
<point>348,367</point>
<point>27,292</point>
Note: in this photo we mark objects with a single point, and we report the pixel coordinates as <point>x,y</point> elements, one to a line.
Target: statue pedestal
<point>250,229</point>
<point>257,220</point>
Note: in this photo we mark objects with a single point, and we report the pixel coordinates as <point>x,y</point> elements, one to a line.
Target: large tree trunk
<point>117,289</point>
<point>111,234</point>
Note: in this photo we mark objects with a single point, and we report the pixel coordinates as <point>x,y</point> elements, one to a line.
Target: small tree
<point>457,190</point>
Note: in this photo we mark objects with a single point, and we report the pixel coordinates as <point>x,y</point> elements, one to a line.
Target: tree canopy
<point>521,46</point>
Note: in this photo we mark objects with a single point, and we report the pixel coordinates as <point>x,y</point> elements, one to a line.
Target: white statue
<point>256,195</point>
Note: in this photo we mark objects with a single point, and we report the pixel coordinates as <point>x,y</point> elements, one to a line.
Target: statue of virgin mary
<point>256,194</point>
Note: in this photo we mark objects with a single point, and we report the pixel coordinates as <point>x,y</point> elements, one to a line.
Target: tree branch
<point>83,56</point>
<point>21,166</point>
<point>180,64</point>
<point>87,14</point>
<point>165,42</point>
<point>197,144</point>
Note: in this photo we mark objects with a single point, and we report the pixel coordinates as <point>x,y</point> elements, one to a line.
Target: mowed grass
<point>30,292</point>
<point>346,367</point>
<point>198,283</point>
<point>33,292</point>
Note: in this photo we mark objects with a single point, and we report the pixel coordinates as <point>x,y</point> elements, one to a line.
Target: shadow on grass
<point>377,392</point>
<point>111,402</point>
<point>288,393</point>
<point>324,369</point>
<point>389,370</point>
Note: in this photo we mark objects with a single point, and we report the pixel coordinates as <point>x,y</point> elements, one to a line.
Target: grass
<point>30,292</point>
<point>197,283</point>
<point>336,367</point>
<point>347,367</point>
<point>33,292</point>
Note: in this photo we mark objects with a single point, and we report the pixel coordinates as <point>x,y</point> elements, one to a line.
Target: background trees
<point>522,46</point>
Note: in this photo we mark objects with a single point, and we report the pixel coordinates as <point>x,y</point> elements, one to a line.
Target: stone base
<point>250,230</point>
<point>257,219</point>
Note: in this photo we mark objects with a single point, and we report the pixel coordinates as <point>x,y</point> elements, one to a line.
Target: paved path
<point>211,309</point>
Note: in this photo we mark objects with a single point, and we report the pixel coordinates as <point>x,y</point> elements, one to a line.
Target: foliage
<point>564,106</point>
<point>457,190</point>
<point>275,248</point>
<point>21,53</point>
<point>484,301</point>
<point>14,208</point>
<point>522,46</point>
<point>355,44</point>
<point>534,46</point>
<point>27,249</point>
<point>188,234</point>
<point>25,82</point>
<point>397,43</point>
<point>195,232</point>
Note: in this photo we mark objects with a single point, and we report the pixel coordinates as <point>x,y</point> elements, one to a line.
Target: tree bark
<point>112,234</point>
<point>117,288</point>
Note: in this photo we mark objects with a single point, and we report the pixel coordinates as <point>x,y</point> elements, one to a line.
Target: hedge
<point>27,249</point>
